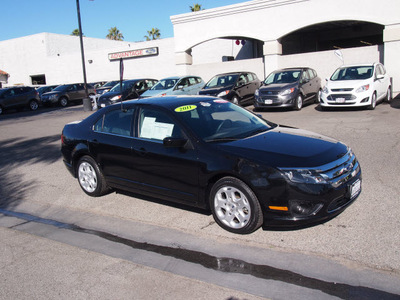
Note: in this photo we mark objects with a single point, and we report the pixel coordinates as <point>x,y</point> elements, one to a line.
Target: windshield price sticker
<point>185,108</point>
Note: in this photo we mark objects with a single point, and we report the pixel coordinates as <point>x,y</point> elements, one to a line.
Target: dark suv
<point>66,93</point>
<point>19,97</point>
<point>238,87</point>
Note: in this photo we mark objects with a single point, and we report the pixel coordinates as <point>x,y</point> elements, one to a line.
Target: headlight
<point>224,93</point>
<point>287,92</point>
<point>257,93</point>
<point>52,97</point>
<point>363,88</point>
<point>325,90</point>
<point>304,176</point>
<point>116,98</point>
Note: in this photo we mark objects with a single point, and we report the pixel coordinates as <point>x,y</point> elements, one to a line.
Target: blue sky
<point>133,18</point>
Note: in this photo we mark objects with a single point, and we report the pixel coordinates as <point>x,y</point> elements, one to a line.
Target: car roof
<point>173,101</point>
<point>359,65</point>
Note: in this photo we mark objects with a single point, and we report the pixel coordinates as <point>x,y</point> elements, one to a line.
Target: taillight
<point>62,139</point>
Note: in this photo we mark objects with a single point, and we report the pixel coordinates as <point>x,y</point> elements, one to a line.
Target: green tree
<point>195,7</point>
<point>114,34</point>
<point>75,32</point>
<point>153,34</point>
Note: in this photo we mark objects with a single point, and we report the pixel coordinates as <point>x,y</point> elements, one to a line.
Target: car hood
<point>278,86</point>
<point>347,83</point>
<point>284,147</point>
<point>215,91</point>
<point>51,93</point>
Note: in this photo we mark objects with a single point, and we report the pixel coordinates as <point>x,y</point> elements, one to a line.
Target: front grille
<point>341,170</point>
<point>342,90</point>
<point>333,97</point>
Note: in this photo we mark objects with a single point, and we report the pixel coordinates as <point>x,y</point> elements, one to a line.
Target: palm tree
<point>75,32</point>
<point>195,7</point>
<point>153,34</point>
<point>114,34</point>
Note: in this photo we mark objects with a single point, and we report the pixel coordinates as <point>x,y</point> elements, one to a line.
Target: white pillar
<point>391,39</point>
<point>272,52</point>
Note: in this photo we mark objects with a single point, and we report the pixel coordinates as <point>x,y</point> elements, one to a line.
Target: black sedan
<point>237,87</point>
<point>131,89</point>
<point>209,153</point>
<point>292,87</point>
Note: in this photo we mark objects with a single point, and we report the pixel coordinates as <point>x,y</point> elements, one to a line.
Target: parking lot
<point>34,180</point>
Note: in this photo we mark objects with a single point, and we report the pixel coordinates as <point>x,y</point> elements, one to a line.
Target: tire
<point>373,102</point>
<point>235,100</point>
<point>298,104</point>
<point>234,206</point>
<point>388,98</point>
<point>90,178</point>
<point>33,105</point>
<point>318,96</point>
<point>63,101</point>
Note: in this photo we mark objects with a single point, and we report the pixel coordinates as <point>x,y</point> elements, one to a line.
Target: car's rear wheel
<point>373,102</point>
<point>63,101</point>
<point>298,103</point>
<point>234,206</point>
<point>33,105</point>
<point>90,178</point>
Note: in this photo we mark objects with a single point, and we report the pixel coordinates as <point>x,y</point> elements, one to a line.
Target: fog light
<point>365,100</point>
<point>304,208</point>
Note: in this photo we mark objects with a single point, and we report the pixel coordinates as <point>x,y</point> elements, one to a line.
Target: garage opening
<point>331,36</point>
<point>38,79</point>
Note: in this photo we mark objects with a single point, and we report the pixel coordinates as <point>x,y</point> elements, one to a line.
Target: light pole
<point>87,104</point>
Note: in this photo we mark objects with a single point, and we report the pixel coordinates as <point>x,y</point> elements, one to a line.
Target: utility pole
<point>87,104</point>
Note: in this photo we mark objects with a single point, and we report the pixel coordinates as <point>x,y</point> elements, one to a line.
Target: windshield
<point>283,77</point>
<point>221,81</point>
<point>125,86</point>
<point>60,88</point>
<point>165,84</point>
<point>221,121</point>
<point>109,84</point>
<point>353,73</point>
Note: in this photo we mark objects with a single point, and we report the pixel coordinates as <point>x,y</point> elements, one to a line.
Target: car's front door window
<point>157,125</point>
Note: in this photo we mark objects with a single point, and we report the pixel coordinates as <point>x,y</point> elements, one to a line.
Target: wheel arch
<point>79,151</point>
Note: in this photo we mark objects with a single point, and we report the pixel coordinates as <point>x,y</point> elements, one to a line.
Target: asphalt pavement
<point>45,256</point>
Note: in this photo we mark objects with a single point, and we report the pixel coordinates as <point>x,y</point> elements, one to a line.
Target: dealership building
<point>259,36</point>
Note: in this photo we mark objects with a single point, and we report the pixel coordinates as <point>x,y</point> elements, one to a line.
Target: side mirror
<point>170,142</point>
<point>240,83</point>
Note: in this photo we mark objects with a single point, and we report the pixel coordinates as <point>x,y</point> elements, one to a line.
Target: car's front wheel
<point>90,177</point>
<point>33,105</point>
<point>63,101</point>
<point>298,103</point>
<point>234,206</point>
<point>235,100</point>
<point>373,102</point>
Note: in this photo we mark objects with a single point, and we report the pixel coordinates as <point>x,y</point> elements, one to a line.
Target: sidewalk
<point>33,267</point>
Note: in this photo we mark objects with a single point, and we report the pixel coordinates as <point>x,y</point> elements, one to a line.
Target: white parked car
<point>177,85</point>
<point>357,85</point>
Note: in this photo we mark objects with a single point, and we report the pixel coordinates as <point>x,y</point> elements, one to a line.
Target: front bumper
<point>265,100</point>
<point>345,99</point>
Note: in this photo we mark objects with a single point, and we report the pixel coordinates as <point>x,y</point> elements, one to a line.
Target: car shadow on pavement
<point>17,152</point>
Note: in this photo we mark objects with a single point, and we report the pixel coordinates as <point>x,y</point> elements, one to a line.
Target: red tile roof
<point>3,73</point>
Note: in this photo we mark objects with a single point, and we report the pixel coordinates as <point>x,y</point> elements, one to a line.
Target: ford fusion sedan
<point>237,87</point>
<point>292,87</point>
<point>362,85</point>
<point>177,85</point>
<point>209,153</point>
<point>131,89</point>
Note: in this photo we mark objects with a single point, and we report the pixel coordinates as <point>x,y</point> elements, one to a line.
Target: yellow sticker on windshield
<point>185,108</point>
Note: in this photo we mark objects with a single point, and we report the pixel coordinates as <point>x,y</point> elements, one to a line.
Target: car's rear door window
<point>117,122</point>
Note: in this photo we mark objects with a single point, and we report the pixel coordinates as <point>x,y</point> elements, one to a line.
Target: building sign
<point>133,53</point>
